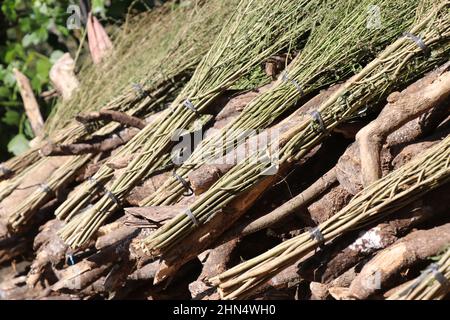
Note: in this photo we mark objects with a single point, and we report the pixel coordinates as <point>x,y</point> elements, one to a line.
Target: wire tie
<point>188,104</point>
<point>317,117</point>
<point>139,89</point>
<point>285,77</point>
<point>112,196</point>
<point>184,183</point>
<point>419,41</point>
<point>4,170</point>
<point>70,259</point>
<point>45,188</point>
<point>317,235</point>
<point>434,268</point>
<point>93,181</point>
<point>191,216</point>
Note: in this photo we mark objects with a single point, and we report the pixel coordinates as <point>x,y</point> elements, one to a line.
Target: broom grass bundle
<point>257,30</point>
<point>387,195</point>
<point>433,284</point>
<point>335,50</point>
<point>399,64</point>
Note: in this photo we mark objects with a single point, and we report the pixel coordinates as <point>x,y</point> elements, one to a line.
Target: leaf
<point>18,145</point>
<point>4,92</point>
<point>55,56</point>
<point>43,67</point>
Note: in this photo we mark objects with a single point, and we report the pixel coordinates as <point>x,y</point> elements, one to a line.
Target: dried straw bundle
<point>335,50</point>
<point>258,29</point>
<point>397,65</point>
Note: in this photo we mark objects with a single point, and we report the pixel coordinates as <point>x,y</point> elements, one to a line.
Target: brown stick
<point>205,235</point>
<point>111,115</point>
<point>29,101</point>
<point>215,264</point>
<point>84,148</point>
<point>402,107</point>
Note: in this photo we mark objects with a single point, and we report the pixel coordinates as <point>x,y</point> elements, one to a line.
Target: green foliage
<point>33,35</point>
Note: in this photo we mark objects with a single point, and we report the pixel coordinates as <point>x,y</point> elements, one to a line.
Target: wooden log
<point>402,107</point>
<point>30,103</point>
<point>417,247</point>
<point>216,263</point>
<point>287,209</point>
<point>330,204</point>
<point>396,151</point>
<point>49,249</point>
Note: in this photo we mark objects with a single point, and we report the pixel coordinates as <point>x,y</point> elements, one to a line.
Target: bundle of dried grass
<point>331,54</point>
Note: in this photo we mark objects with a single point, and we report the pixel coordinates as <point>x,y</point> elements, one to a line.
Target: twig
<point>111,115</point>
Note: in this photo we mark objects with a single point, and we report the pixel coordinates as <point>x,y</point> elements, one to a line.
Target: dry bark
<point>322,291</point>
<point>29,102</point>
<point>149,186</point>
<point>417,247</point>
<point>402,107</point>
<point>330,204</point>
<point>216,263</point>
<point>49,248</point>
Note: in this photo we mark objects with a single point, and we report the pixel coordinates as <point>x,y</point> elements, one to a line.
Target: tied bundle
<point>258,29</point>
<point>397,65</point>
